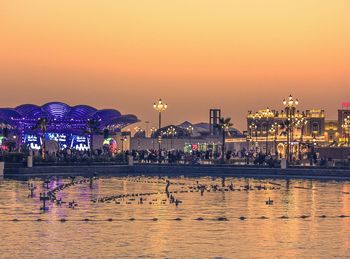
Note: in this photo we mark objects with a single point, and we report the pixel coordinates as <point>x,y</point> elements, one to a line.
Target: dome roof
<point>56,110</point>
<point>30,110</point>
<point>62,114</point>
<point>81,112</point>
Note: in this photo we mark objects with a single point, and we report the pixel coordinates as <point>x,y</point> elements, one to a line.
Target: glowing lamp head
<point>160,106</point>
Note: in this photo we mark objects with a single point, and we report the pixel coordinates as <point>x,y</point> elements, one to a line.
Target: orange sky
<point>237,55</point>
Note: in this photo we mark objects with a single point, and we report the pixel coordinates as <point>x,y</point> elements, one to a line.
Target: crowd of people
<point>195,157</point>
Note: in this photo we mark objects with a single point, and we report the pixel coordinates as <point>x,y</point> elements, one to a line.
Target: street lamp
<point>160,107</point>
<point>190,130</point>
<point>253,128</point>
<point>153,130</point>
<point>171,132</point>
<point>274,132</point>
<point>256,118</point>
<point>346,129</point>
<point>290,107</point>
<point>267,114</point>
<point>301,123</point>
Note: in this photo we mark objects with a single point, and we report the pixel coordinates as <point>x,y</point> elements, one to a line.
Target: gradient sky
<point>236,55</point>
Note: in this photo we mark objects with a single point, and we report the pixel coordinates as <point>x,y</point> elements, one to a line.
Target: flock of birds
<point>140,198</point>
<point>147,197</point>
<point>51,195</point>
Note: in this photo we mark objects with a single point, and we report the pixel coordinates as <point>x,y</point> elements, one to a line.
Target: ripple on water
<point>211,221</point>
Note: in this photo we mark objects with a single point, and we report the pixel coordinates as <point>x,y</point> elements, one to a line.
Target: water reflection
<point>292,226</point>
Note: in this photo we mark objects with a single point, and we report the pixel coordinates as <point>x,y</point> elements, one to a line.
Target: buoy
<point>269,202</point>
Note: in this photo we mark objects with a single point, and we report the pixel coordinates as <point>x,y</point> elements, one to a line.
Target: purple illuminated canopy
<point>62,117</point>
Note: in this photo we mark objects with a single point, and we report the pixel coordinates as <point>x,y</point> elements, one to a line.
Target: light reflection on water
<point>253,237</point>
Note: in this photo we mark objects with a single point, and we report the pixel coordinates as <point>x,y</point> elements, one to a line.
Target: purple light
<point>62,117</point>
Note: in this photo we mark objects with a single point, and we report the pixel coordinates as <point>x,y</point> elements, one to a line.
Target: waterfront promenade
<point>173,170</point>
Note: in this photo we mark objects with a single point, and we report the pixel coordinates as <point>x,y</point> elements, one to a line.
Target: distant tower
<point>214,119</point>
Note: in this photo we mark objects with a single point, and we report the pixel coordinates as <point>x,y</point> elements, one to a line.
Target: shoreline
<point>179,170</point>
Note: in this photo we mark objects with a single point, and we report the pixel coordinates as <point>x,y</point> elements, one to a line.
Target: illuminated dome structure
<point>67,125</point>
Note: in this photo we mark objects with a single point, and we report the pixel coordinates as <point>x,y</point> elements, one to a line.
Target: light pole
<point>254,128</point>
<point>290,107</point>
<point>301,124</point>
<point>267,114</point>
<point>190,130</point>
<point>274,131</point>
<point>256,117</point>
<point>160,107</point>
<point>171,132</point>
<point>346,129</point>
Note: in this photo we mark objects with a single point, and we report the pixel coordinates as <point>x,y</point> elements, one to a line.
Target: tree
<point>224,125</point>
<point>41,125</point>
<point>92,127</point>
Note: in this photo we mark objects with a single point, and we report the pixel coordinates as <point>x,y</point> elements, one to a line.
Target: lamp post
<point>153,130</point>
<point>171,132</point>
<point>190,130</point>
<point>301,123</point>
<point>290,107</point>
<point>160,106</point>
<point>256,118</point>
<point>253,128</point>
<point>274,131</point>
<point>346,129</point>
<point>267,114</point>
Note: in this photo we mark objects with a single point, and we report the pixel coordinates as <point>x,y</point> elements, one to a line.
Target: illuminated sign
<point>59,137</point>
<point>80,143</point>
<point>33,141</point>
<point>345,104</point>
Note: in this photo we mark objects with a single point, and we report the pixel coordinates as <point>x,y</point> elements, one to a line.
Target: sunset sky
<point>236,55</point>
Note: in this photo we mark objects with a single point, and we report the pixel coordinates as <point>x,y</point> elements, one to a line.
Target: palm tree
<point>41,125</point>
<point>92,127</point>
<point>224,125</point>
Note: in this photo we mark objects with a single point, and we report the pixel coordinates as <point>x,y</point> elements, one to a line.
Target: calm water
<point>302,232</point>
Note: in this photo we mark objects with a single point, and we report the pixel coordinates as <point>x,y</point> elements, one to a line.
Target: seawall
<point>177,170</point>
